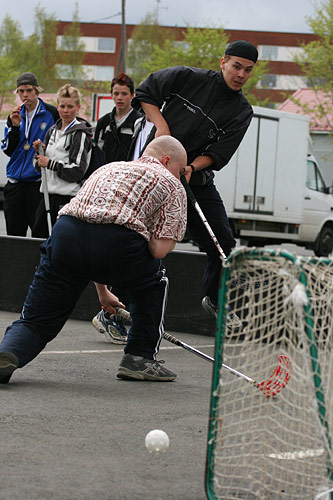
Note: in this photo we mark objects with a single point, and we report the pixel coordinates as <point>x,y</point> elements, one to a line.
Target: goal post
<point>278,447</point>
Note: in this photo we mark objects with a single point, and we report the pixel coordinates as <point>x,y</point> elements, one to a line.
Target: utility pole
<point>122,53</point>
<point>123,34</point>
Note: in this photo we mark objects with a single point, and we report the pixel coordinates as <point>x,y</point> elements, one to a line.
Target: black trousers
<point>21,200</point>
<point>57,201</point>
<point>213,208</point>
<point>76,253</point>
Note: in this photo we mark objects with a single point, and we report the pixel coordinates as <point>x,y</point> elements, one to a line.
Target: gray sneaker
<point>233,321</point>
<point>138,368</point>
<point>209,306</point>
<point>8,363</point>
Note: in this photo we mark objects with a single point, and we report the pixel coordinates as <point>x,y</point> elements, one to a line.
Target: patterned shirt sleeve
<point>170,220</point>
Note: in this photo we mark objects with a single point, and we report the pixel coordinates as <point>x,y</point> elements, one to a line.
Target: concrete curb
<point>19,258</point>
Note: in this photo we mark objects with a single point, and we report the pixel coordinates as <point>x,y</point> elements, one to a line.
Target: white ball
<point>157,441</point>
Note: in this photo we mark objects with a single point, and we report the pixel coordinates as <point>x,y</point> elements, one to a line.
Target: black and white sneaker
<point>8,364</point>
<point>112,327</point>
<point>233,321</point>
<point>138,368</point>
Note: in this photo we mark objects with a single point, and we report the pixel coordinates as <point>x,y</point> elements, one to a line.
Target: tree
<point>316,62</point>
<point>39,50</point>
<point>202,48</point>
<point>36,53</point>
<point>8,75</point>
<point>146,35</point>
<point>12,42</point>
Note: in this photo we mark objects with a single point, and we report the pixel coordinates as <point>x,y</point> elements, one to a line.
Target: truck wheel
<point>324,245</point>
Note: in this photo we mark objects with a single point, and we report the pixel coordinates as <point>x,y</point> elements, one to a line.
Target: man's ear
<point>165,160</point>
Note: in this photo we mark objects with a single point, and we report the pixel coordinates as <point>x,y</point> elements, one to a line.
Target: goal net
<point>277,446</point>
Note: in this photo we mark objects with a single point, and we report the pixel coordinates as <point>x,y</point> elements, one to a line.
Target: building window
<point>314,179</point>
<point>268,81</point>
<point>104,73</point>
<point>85,72</point>
<point>61,42</point>
<point>269,52</point>
<point>90,44</point>
<point>71,72</point>
<point>106,44</point>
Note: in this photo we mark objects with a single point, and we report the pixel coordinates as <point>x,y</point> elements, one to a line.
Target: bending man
<point>125,218</point>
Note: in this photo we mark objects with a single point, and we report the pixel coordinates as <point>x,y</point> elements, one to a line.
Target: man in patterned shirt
<point>125,218</point>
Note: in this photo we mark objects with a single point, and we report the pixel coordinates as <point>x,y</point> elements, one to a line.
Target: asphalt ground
<point>70,430</point>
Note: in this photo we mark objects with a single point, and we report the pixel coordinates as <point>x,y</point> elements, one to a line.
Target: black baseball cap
<point>242,48</point>
<point>27,79</point>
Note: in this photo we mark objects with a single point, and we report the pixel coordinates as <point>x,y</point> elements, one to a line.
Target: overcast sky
<point>262,15</point>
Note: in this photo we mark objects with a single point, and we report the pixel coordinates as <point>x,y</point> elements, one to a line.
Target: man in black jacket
<point>207,112</point>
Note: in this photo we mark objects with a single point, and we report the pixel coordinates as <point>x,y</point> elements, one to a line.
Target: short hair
<point>38,89</point>
<point>68,91</point>
<point>123,79</point>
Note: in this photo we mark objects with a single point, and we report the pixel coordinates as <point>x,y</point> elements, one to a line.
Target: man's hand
<point>36,145</point>
<point>42,161</point>
<point>107,299</point>
<point>198,163</point>
<point>188,173</point>
<point>15,116</point>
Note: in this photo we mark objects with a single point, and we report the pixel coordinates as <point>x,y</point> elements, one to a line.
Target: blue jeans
<point>76,253</point>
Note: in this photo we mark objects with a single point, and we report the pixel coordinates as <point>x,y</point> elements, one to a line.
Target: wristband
<point>192,167</point>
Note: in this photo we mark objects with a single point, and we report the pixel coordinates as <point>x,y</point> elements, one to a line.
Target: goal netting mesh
<point>279,447</point>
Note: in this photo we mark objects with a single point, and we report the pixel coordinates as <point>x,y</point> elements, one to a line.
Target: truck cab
<point>318,210</point>
<point>273,190</point>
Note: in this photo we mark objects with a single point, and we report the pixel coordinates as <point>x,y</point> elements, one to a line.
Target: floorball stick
<point>270,387</point>
<point>45,193</point>
<point>196,205</point>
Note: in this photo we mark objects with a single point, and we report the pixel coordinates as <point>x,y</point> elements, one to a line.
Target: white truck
<point>273,189</point>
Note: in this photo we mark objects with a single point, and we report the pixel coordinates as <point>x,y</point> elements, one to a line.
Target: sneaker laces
<point>120,326</point>
<point>158,363</point>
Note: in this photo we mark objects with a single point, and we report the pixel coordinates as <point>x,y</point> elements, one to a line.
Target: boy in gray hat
<point>25,124</point>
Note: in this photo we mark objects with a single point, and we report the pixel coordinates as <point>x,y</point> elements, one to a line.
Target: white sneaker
<point>112,327</point>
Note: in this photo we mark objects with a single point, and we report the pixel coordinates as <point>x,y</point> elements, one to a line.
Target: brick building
<point>103,42</point>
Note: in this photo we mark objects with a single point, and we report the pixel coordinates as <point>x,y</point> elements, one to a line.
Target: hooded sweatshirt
<point>69,153</point>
